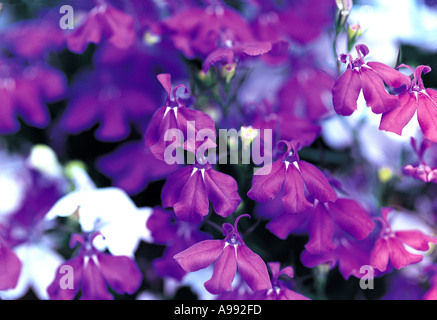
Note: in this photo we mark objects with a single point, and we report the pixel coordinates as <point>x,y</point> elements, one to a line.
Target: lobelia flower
<point>34,38</point>
<point>414,98</point>
<point>190,189</point>
<point>390,245</point>
<point>92,271</point>
<point>324,224</point>
<point>291,175</point>
<point>109,211</point>
<point>24,91</point>
<point>129,167</point>
<point>421,170</point>
<point>175,115</point>
<point>368,77</point>
<point>177,235</point>
<point>280,289</point>
<point>214,33</point>
<point>349,255</point>
<point>304,97</point>
<point>228,255</point>
<point>102,22</point>
<point>24,231</point>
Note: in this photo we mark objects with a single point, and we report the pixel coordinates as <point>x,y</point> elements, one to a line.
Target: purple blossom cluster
<point>130,148</point>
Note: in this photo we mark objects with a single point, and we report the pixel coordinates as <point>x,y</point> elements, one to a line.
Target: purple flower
<point>280,289</point>
<point>190,189</point>
<point>228,255</point>
<point>24,91</point>
<point>129,167</point>
<point>293,176</point>
<point>10,266</point>
<point>102,22</point>
<point>93,271</point>
<point>304,92</point>
<point>369,77</point>
<point>390,245</point>
<point>414,98</point>
<point>349,255</point>
<point>175,115</point>
<point>177,235</point>
<point>34,38</point>
<point>301,22</point>
<point>421,170</point>
<point>199,31</point>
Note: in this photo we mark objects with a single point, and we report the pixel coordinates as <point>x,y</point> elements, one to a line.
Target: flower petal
<point>427,114</point>
<point>294,200</point>
<point>320,231</point>
<point>396,119</point>
<point>374,92</point>
<point>267,186</point>
<point>351,217</point>
<point>345,92</point>
<point>199,255</point>
<point>224,272</point>
<point>252,269</point>
<point>316,182</point>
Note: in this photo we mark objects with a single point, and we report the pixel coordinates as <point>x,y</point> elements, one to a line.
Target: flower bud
<point>228,71</point>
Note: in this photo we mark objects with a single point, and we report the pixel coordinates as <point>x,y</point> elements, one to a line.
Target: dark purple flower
<point>280,288</point>
<point>414,98</point>
<point>199,31</point>
<point>177,235</point>
<point>190,189</point>
<point>93,271</point>
<point>369,77</point>
<point>421,170</point>
<point>175,115</point>
<point>24,92</point>
<point>294,177</point>
<point>228,255</point>
<point>129,167</point>
<point>10,266</point>
<point>306,91</point>
<point>349,255</point>
<point>299,21</point>
<point>102,22</point>
<point>390,245</point>
<point>34,38</point>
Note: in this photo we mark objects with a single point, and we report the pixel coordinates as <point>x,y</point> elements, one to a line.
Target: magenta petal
<point>320,231</point>
<point>55,291</point>
<point>256,48</point>
<point>427,114</point>
<point>351,217</point>
<point>173,186</point>
<point>200,255</point>
<point>415,239</point>
<point>120,27</point>
<point>225,269</point>
<point>10,268</point>
<point>399,256</point>
<point>294,200</point>
<point>285,223</point>
<point>121,273</point>
<point>94,286</point>
<point>345,92</point>
<point>374,92</point>
<point>380,255</point>
<point>396,119</point>
<point>222,192</point>
<point>252,269</point>
<point>266,185</point>
<point>193,203</point>
<point>219,54</point>
<point>316,182</point>
<point>391,77</point>
<point>89,31</point>
<point>165,80</point>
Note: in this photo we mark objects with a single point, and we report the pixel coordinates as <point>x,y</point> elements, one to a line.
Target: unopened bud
<point>228,71</point>
<point>385,174</point>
